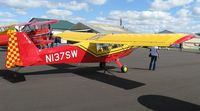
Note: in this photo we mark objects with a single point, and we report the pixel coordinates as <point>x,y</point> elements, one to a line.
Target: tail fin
<point>13,55</point>
<point>21,50</point>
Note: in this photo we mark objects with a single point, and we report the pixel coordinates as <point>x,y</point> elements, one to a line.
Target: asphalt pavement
<point>173,86</point>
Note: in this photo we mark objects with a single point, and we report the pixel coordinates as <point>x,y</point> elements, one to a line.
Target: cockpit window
<point>107,47</point>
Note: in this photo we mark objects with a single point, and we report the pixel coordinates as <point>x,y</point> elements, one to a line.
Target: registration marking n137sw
<point>59,56</point>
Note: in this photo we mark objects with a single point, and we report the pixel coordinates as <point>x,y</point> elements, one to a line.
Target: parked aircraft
<point>87,48</point>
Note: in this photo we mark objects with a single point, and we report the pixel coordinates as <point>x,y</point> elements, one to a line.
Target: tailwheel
<point>102,65</point>
<point>124,69</point>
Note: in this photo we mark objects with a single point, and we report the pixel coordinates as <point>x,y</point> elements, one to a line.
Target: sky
<point>140,16</point>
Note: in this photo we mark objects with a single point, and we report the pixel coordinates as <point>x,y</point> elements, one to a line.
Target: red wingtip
<point>183,39</point>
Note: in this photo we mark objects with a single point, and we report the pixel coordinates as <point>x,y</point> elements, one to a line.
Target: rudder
<point>21,50</point>
<point>13,54</point>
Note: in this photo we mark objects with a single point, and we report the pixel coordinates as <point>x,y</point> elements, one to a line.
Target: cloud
<point>151,21</point>
<point>74,5</point>
<point>105,20</point>
<point>20,6</point>
<point>57,10</point>
<point>97,2</point>
<point>23,4</point>
<point>78,19</point>
<point>183,13</point>
<point>168,4</point>
<point>26,4</point>
<point>44,16</point>
<point>6,14</point>
<point>196,9</point>
<point>58,13</point>
<point>194,27</point>
<point>20,12</point>
<point>6,21</point>
<point>141,15</point>
<point>143,21</point>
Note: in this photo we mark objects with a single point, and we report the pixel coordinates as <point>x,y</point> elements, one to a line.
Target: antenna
<point>121,22</point>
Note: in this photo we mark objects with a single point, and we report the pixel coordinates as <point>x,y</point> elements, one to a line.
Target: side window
<point>107,47</point>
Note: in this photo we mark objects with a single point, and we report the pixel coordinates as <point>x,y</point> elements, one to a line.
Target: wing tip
<point>183,39</point>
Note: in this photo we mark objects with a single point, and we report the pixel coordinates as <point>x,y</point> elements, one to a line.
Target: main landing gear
<point>123,68</point>
<point>102,65</point>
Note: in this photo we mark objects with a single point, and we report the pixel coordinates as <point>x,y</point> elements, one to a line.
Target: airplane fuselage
<point>30,55</point>
<point>74,54</point>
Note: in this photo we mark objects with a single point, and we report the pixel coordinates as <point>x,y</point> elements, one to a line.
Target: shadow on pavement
<point>12,76</point>
<point>139,68</point>
<point>92,73</point>
<point>163,103</point>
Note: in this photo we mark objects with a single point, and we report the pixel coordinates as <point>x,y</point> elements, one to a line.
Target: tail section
<point>13,55</point>
<point>21,50</point>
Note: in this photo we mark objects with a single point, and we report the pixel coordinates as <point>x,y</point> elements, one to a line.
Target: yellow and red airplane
<point>88,48</point>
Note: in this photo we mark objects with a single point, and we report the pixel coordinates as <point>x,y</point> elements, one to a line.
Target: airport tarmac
<point>174,86</point>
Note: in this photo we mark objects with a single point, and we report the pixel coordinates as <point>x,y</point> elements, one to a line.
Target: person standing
<point>181,46</point>
<point>154,55</point>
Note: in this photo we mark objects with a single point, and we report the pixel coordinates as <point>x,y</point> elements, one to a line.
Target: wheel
<point>124,69</point>
<point>102,65</point>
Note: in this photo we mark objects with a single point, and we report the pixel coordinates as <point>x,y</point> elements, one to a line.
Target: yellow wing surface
<point>76,36</point>
<point>144,39</point>
<point>129,39</point>
<point>8,26</point>
<point>4,29</point>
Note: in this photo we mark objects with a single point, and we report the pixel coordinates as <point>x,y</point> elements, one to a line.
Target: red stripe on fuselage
<point>74,54</point>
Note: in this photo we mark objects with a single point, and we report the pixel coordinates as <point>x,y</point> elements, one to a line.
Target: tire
<point>124,69</point>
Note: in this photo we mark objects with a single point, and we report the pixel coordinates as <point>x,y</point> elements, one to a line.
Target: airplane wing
<point>144,39</point>
<point>129,39</point>
<point>4,29</point>
<point>76,36</point>
<point>8,26</point>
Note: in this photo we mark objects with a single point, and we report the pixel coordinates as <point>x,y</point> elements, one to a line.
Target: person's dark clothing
<point>154,55</point>
<point>152,65</point>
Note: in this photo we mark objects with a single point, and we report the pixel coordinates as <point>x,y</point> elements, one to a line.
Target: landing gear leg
<point>123,68</point>
<point>102,65</point>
